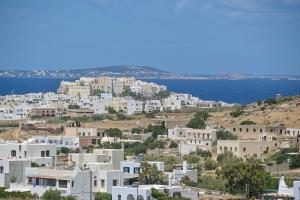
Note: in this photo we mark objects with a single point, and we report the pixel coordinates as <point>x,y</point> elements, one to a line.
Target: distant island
<point>140,72</point>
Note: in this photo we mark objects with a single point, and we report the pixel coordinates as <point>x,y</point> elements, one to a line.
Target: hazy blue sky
<point>185,36</point>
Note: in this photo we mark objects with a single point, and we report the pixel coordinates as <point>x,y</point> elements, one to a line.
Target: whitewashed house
<point>12,170</point>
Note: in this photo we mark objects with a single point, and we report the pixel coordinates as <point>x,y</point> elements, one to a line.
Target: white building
<point>12,170</point>
<point>42,154</point>
<point>69,183</point>
<point>285,192</point>
<point>181,171</point>
<point>71,142</point>
<point>172,103</point>
<point>192,139</point>
<point>143,192</point>
<point>133,167</point>
<point>153,105</point>
<point>134,106</point>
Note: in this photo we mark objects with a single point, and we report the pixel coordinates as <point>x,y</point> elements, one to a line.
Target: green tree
<point>151,175</point>
<point>295,161</point>
<point>237,112</point>
<point>225,135</point>
<point>198,121</point>
<point>192,159</point>
<point>282,155</point>
<point>113,132</point>
<point>103,196</point>
<point>202,115</point>
<point>240,175</point>
<point>52,195</point>
<point>210,164</point>
<point>204,154</point>
<point>136,130</point>
<point>162,94</point>
<point>173,144</point>
<point>111,110</point>
<point>65,150</point>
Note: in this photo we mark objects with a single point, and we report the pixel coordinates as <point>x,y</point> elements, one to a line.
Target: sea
<point>243,91</point>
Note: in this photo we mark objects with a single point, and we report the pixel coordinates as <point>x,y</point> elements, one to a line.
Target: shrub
<point>113,132</point>
<point>111,110</point>
<point>270,101</point>
<point>210,164</point>
<point>65,150</point>
<point>52,195</point>
<point>103,196</point>
<point>226,135</point>
<point>204,154</point>
<point>237,112</point>
<point>248,122</point>
<point>198,121</point>
<point>121,116</point>
<point>173,144</point>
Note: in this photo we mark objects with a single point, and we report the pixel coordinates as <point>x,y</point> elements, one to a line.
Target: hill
<point>286,112</point>
<point>143,72</point>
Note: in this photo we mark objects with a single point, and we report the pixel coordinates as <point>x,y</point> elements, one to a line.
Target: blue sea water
<point>231,91</point>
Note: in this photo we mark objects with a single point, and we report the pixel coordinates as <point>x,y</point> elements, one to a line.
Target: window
<point>42,153</point>
<point>247,130</point>
<point>136,170</point>
<point>233,129</point>
<point>20,147</point>
<point>95,183</point>
<point>94,141</point>
<point>254,130</point>
<point>241,129</point>
<point>62,183</point>
<point>115,182</point>
<point>102,183</point>
<point>244,149</point>
<point>260,130</point>
<point>47,153</point>
<point>13,153</point>
<point>1,170</point>
<point>72,183</point>
<point>119,197</point>
<point>126,169</point>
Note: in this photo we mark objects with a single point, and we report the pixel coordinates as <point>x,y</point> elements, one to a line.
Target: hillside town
<point>125,139</point>
<point>88,96</point>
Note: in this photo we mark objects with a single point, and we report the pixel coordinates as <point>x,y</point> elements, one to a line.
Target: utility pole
<point>91,176</point>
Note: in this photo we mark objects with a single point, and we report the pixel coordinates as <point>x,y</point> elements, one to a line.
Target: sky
<point>183,36</point>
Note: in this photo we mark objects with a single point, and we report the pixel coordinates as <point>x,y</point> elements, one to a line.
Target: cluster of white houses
<point>94,96</point>
<point>33,166</point>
